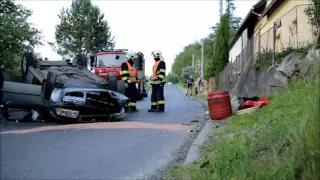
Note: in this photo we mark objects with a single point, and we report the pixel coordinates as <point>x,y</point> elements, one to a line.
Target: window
<point>109,60</point>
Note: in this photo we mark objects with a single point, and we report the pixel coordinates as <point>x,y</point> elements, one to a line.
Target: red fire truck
<point>107,64</point>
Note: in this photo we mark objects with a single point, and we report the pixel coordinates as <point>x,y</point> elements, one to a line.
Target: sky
<point>140,25</point>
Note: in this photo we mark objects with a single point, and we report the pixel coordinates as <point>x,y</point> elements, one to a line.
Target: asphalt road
<point>139,146</point>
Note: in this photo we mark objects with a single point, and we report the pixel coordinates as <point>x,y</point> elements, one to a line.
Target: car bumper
<point>90,114</point>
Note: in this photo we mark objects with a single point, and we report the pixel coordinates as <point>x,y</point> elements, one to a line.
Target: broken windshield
<point>109,60</point>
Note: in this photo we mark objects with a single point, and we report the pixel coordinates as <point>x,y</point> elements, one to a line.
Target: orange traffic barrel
<point>219,105</point>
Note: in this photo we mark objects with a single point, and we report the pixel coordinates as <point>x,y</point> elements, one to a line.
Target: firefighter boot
<point>126,108</point>
<point>161,108</point>
<point>154,108</point>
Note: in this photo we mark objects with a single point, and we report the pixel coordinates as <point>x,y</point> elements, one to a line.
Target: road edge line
<point>194,150</point>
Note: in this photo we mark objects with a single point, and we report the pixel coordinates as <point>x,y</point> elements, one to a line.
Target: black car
<point>63,90</point>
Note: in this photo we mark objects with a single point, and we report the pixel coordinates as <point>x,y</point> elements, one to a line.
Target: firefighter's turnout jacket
<point>157,82</point>
<point>129,75</point>
<point>158,72</point>
<point>128,72</point>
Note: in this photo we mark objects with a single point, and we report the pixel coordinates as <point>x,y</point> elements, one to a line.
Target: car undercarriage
<point>63,91</point>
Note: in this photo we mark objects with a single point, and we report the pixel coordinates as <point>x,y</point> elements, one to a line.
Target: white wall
<point>245,38</point>
<point>236,48</point>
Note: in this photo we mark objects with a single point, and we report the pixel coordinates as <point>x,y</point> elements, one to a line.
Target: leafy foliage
<point>184,58</point>
<point>82,29</point>
<point>221,50</point>
<point>187,72</point>
<point>171,77</point>
<point>313,12</point>
<point>16,35</point>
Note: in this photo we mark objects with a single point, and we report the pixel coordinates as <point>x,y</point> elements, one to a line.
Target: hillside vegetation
<point>280,141</point>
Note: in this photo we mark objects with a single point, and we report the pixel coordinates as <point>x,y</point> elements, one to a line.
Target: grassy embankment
<point>280,141</point>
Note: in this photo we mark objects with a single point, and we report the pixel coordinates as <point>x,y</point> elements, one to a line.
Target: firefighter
<point>129,75</point>
<point>157,82</point>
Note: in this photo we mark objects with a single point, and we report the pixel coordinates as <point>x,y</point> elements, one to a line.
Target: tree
<point>313,12</point>
<point>16,35</point>
<point>82,29</point>
<point>184,58</point>
<point>230,7</point>
<point>221,47</point>
<point>209,46</point>
<point>234,21</point>
<point>171,77</point>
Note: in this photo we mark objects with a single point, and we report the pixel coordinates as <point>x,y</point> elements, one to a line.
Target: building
<point>243,39</point>
<point>294,29</point>
<point>256,32</point>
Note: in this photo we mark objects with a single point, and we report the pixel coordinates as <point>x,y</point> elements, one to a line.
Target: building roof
<point>270,6</point>
<point>245,22</point>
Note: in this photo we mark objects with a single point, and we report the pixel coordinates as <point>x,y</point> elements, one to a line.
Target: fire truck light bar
<point>115,50</point>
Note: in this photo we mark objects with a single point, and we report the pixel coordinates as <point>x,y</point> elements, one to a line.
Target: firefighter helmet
<point>131,55</point>
<point>156,54</point>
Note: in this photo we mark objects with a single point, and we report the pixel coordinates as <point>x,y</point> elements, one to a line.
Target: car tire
<point>112,81</point>
<point>26,61</point>
<point>81,60</point>
<point>49,85</point>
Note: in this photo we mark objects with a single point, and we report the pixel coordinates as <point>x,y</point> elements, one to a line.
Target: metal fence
<point>233,71</point>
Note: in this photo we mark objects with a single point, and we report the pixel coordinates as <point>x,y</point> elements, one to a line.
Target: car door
<point>21,95</point>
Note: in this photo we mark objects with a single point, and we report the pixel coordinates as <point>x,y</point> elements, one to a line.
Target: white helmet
<point>131,54</point>
<point>156,54</point>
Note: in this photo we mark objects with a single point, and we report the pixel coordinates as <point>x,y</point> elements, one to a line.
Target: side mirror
<point>91,61</point>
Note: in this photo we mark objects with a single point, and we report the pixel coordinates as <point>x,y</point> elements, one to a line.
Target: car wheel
<point>81,60</point>
<point>49,85</point>
<point>27,60</point>
<point>112,81</point>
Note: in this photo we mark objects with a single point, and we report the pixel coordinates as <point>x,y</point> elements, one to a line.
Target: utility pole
<point>193,60</point>
<point>202,59</point>
<point>193,69</point>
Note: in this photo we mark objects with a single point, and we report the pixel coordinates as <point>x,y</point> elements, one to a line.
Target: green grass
<point>280,141</point>
<point>202,97</point>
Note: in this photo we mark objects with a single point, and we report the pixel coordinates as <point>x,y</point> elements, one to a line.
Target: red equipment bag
<point>250,103</point>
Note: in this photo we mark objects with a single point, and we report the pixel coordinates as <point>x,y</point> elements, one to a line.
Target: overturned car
<point>63,90</point>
